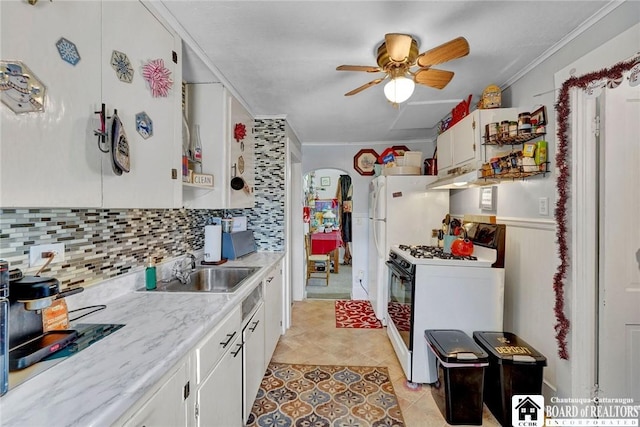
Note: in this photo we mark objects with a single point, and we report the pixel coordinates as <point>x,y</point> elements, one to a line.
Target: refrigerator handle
<point>375,234</point>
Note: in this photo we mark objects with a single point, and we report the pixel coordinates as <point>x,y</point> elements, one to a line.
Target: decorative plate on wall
<point>400,149</point>
<point>144,125</point>
<point>120,62</point>
<point>364,160</point>
<point>68,51</point>
<point>20,89</point>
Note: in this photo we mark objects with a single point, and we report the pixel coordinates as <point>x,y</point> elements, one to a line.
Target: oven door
<point>400,305</point>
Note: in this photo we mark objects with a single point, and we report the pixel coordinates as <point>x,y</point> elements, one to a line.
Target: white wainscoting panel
<point>530,263</point>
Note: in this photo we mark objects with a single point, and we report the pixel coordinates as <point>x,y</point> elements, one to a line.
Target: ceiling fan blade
<point>433,78</point>
<point>364,86</point>
<point>367,68</point>
<point>398,46</point>
<point>456,48</point>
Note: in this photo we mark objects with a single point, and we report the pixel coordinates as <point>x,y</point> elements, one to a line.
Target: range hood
<point>470,179</point>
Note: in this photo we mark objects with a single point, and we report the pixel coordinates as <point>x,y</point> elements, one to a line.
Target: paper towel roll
<point>212,243</point>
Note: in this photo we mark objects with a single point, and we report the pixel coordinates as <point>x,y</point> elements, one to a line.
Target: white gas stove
<point>431,289</point>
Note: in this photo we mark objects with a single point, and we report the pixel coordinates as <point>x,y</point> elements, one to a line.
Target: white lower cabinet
<point>253,359</point>
<point>273,297</point>
<point>169,405</point>
<point>219,397</point>
<point>218,358</point>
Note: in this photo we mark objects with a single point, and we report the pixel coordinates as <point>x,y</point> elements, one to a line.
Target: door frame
<point>582,282</point>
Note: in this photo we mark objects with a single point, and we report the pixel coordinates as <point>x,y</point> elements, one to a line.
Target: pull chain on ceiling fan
<point>398,54</point>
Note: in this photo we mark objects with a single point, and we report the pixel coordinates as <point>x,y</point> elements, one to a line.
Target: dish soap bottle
<point>150,275</point>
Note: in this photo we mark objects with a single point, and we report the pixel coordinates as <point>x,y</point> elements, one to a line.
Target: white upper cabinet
<point>129,28</point>
<point>460,146</point>
<point>226,135</point>
<point>52,158</point>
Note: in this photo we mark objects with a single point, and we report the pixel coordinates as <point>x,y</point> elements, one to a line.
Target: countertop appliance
<point>431,289</point>
<point>401,210</point>
<point>237,244</point>
<point>4,327</point>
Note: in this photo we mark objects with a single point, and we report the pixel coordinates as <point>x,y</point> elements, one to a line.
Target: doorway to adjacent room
<point>327,219</point>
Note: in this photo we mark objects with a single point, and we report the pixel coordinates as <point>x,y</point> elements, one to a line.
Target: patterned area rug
<point>356,314</point>
<point>325,396</point>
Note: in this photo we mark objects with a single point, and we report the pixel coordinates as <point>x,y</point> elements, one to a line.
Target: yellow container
<point>541,152</point>
<point>529,149</point>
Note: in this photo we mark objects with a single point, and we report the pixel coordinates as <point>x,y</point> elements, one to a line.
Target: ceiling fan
<point>398,54</point>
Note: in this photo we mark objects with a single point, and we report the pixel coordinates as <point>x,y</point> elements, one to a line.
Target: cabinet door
<point>272,312</point>
<point>219,398</point>
<point>253,355</point>
<point>168,406</point>
<point>445,154</point>
<point>241,150</point>
<point>464,139</point>
<point>129,28</point>
<point>51,158</point>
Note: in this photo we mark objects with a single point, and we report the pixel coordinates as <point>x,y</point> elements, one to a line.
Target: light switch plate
<point>543,206</point>
<point>35,253</point>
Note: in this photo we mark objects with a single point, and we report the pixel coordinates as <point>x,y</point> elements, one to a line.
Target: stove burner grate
<point>431,252</point>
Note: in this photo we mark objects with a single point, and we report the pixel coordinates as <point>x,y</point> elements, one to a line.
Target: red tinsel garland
<point>563,111</point>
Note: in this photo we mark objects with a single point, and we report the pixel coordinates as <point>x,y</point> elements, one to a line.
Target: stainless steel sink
<point>213,279</point>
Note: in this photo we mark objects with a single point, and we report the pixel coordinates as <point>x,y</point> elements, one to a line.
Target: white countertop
<point>96,386</point>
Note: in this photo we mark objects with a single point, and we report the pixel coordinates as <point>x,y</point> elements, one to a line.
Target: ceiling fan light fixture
<point>399,89</point>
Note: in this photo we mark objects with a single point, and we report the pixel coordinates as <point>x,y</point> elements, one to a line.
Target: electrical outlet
<point>543,206</point>
<point>35,253</point>
<point>361,274</point>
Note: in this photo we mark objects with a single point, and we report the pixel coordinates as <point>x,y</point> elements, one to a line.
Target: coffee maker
<point>28,341</point>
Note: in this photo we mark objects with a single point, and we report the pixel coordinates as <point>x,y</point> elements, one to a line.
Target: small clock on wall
<point>364,160</point>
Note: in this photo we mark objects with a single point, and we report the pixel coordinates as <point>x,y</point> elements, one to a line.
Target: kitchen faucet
<point>182,269</point>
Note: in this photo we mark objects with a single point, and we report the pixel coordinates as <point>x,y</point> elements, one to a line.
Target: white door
<point>619,374</point>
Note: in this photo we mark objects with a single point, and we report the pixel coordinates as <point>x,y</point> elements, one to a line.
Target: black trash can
<point>461,363</point>
<point>514,368</point>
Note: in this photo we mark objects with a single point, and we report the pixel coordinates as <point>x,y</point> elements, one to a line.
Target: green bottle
<point>150,275</point>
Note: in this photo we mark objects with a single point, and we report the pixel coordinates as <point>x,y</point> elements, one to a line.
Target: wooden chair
<point>313,261</point>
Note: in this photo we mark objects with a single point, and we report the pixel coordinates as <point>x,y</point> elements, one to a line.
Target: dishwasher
<point>253,348</point>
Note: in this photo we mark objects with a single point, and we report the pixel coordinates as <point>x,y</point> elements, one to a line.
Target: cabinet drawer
<point>212,348</point>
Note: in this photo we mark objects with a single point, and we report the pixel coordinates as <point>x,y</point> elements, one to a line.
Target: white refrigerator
<point>401,211</point>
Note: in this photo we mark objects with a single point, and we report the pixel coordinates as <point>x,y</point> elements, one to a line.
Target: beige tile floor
<point>314,339</point>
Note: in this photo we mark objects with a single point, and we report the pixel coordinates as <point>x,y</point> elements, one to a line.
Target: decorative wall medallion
<point>364,160</point>
<point>20,89</point>
<point>120,62</point>
<point>68,51</point>
<point>158,76</point>
<point>400,149</point>
<point>239,132</point>
<point>144,125</point>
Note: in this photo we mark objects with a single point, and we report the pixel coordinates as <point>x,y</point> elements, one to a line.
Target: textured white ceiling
<point>281,56</point>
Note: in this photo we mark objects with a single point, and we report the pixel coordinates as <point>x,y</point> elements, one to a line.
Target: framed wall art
<point>325,181</point>
<point>364,160</point>
<point>540,115</point>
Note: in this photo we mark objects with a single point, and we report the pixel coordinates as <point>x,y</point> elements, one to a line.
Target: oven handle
<point>398,272</point>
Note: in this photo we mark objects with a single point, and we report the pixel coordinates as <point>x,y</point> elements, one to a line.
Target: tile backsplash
<point>104,243</point>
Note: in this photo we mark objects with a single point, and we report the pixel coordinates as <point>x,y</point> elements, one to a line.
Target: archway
<point>327,217</point>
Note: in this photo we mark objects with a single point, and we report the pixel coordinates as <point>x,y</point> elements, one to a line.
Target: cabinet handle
<point>255,325</point>
<point>238,350</point>
<point>225,344</point>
